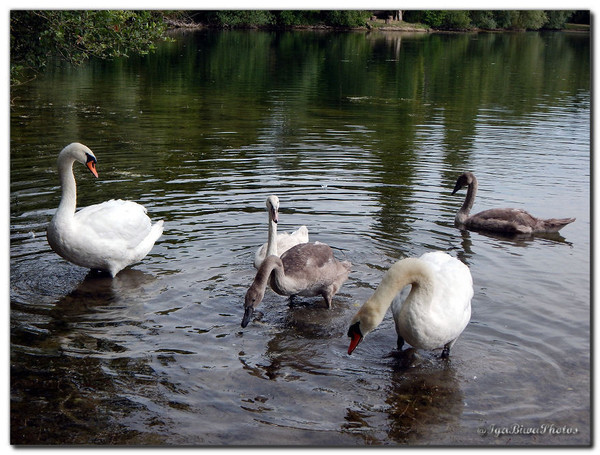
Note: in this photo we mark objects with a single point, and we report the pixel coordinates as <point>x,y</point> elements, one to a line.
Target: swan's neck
<point>270,269</point>
<point>68,200</point>
<point>463,212</point>
<point>271,272</point>
<point>272,239</point>
<point>408,271</point>
<point>280,283</point>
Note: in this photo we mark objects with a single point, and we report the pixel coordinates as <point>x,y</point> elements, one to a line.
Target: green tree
<point>558,19</point>
<point>528,20</point>
<point>457,20</point>
<point>244,18</point>
<point>75,36</point>
<point>350,18</point>
<point>483,19</point>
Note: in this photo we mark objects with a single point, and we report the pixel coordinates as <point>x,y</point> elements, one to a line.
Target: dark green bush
<point>557,19</point>
<point>527,20</point>
<point>350,18</point>
<point>244,18</point>
<point>457,20</point>
<point>483,19</point>
<point>433,18</point>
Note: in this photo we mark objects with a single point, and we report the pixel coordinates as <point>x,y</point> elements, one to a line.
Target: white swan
<point>107,236</point>
<point>436,311</point>
<point>504,221</point>
<point>282,242</point>
<point>308,269</point>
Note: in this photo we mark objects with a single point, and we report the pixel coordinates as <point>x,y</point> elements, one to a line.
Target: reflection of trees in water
<point>424,394</point>
<point>68,386</point>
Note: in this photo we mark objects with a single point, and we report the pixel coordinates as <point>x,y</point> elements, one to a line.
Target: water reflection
<point>424,394</point>
<point>507,241</point>
<point>86,340</point>
<point>362,136</point>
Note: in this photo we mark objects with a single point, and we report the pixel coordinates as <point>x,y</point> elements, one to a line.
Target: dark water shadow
<point>71,382</point>
<point>424,395</point>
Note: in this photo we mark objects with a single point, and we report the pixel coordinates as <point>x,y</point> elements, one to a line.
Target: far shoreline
<point>371,26</point>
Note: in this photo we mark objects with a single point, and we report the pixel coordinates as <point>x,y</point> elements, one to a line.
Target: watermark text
<point>518,429</point>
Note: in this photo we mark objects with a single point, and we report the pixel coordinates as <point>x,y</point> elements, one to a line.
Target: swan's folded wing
<point>454,278</point>
<point>306,256</point>
<point>116,221</point>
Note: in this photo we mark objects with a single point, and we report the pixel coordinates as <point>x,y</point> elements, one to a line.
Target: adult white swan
<point>107,236</point>
<point>436,311</point>
<point>282,242</point>
<point>308,269</point>
<point>504,221</point>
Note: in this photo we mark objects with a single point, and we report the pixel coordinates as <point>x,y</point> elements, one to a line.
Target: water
<point>362,137</point>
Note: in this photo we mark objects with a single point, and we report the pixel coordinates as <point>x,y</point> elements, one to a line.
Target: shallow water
<point>362,137</point>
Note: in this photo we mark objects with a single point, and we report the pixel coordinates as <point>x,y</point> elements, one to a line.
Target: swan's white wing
<point>453,276</point>
<point>117,221</point>
<point>285,241</point>
<point>453,290</point>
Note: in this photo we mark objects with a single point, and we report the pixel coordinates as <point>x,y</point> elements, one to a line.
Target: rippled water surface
<point>362,137</point>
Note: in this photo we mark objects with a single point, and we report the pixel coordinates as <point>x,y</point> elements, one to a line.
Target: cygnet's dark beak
<point>457,187</point>
<point>248,314</point>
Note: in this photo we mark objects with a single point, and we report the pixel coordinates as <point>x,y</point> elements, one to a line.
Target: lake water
<point>362,137</point>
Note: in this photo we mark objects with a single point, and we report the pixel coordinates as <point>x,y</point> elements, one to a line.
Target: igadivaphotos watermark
<point>543,429</point>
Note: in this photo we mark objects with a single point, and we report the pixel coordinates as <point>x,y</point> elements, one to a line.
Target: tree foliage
<point>557,19</point>
<point>284,18</point>
<point>491,19</point>
<point>352,18</point>
<point>75,36</point>
<point>528,19</point>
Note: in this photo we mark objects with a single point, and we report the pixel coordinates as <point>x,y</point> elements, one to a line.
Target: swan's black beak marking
<point>91,164</point>
<point>355,335</point>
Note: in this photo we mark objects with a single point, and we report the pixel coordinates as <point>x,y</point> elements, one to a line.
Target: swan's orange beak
<point>92,167</point>
<point>356,338</point>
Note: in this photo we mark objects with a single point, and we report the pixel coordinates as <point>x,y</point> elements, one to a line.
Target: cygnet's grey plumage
<point>505,221</point>
<point>308,269</point>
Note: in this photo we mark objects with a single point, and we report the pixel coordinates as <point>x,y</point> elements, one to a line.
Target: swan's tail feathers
<point>302,232</point>
<point>344,271</point>
<point>556,224</point>
<point>146,245</point>
<point>157,230</point>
